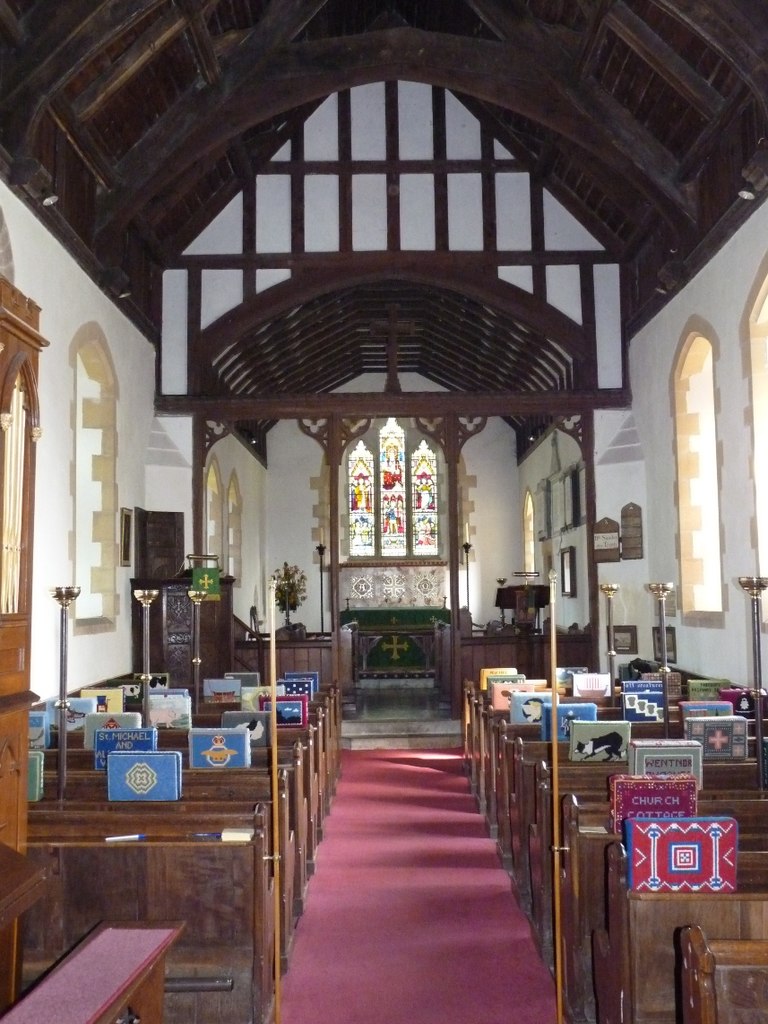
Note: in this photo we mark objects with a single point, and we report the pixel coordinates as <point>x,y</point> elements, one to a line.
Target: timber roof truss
<point>646,119</point>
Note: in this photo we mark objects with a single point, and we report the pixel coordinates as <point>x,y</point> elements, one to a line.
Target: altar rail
<point>528,653</point>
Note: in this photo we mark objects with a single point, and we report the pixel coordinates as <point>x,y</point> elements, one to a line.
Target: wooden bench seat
<point>723,981</point>
<point>223,891</point>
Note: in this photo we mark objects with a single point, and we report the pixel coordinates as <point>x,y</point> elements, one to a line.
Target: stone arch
<point>94,483</point>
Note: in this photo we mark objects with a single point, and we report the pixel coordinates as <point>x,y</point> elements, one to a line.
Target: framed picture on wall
<point>625,639</point>
<point>568,572</point>
<point>671,644</point>
<point>126,526</point>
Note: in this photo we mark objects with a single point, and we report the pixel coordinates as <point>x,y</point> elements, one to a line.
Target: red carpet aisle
<point>410,919</point>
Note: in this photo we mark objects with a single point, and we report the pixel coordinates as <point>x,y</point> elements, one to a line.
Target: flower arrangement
<point>290,588</point>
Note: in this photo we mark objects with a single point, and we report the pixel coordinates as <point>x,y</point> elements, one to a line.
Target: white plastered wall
<point>69,300</point>
<point>720,296</point>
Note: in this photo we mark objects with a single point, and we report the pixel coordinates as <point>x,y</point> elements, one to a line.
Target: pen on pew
<point>204,835</point>
<point>125,839</point>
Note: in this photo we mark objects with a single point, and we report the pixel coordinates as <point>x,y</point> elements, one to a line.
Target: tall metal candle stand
<point>661,591</point>
<point>320,549</point>
<point>196,597</point>
<point>754,586</point>
<point>145,599</point>
<point>610,590</point>
<point>64,596</point>
<point>557,848</point>
<point>467,548</point>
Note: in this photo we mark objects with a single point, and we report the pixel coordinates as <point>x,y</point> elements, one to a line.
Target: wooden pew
<point>223,891</point>
<point>582,859</point>
<point>581,777</point>
<point>635,954</point>
<point>303,760</point>
<point>116,973</point>
<point>723,981</point>
<point>290,764</point>
<point>585,839</point>
<point>314,738</point>
<point>236,789</point>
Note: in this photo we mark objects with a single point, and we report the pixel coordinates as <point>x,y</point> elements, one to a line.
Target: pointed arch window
<point>393,496</point>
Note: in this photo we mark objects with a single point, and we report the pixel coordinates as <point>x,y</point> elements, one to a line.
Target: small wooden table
<point>117,968</point>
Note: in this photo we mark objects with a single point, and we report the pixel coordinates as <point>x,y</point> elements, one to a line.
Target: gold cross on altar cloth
<point>206,581</point>
<point>394,646</point>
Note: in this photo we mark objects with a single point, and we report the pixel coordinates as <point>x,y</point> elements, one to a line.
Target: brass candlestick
<point>610,590</point>
<point>661,591</point>
<point>754,586</point>
<point>145,599</point>
<point>196,597</point>
<point>64,596</point>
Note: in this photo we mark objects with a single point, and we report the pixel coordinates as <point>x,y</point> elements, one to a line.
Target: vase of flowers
<point>290,589</point>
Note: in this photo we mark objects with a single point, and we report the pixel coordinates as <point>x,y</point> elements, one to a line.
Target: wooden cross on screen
<point>391,327</point>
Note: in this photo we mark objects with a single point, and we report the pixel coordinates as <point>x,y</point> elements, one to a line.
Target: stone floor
<point>387,713</point>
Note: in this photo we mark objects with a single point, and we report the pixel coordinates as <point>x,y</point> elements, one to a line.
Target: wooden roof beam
<point>664,61</point>
<point>202,44</point>
<point>406,403</point>
<point>130,63</point>
<point>737,30</point>
<point>10,26</point>
<point>67,36</point>
<point>309,71</point>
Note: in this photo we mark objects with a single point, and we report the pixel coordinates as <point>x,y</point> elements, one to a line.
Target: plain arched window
<point>234,554</point>
<point>96,507</point>
<point>697,478</point>
<point>214,512</point>
<point>529,536</point>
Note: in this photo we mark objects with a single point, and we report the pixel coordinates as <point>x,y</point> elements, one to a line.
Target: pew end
<point>722,981</point>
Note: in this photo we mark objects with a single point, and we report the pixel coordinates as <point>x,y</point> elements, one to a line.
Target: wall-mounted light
<point>755,171</point>
<point>117,282</point>
<point>28,173</point>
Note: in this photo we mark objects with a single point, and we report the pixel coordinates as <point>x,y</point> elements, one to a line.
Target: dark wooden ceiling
<point>645,118</point>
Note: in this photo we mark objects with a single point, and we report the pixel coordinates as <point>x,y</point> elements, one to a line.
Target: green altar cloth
<point>395,617</point>
<point>395,639</point>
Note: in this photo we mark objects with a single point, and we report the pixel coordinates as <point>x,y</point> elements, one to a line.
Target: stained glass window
<point>424,500</point>
<point>393,515</point>
<point>393,512</point>
<point>362,521</point>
